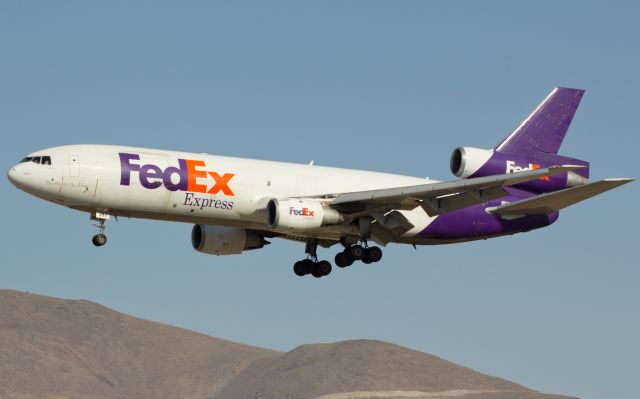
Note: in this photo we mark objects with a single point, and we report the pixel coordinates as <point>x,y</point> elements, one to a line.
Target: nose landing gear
<point>99,239</point>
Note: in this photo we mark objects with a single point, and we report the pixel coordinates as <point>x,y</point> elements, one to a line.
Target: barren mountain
<point>366,369</point>
<point>55,348</point>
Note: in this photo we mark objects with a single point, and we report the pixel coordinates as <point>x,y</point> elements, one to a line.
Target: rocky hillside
<point>366,369</point>
<point>56,348</point>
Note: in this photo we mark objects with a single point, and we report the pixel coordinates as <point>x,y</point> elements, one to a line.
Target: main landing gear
<point>357,252</point>
<point>99,239</point>
<point>347,257</point>
<point>311,265</point>
<point>314,267</point>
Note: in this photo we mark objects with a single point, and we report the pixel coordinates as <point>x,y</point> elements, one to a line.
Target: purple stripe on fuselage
<point>474,221</point>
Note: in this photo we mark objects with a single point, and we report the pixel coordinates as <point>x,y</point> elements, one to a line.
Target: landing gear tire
<point>343,260</point>
<point>355,252</point>
<point>99,240</point>
<point>298,268</point>
<point>372,254</point>
<point>307,266</point>
<point>303,267</point>
<point>321,269</point>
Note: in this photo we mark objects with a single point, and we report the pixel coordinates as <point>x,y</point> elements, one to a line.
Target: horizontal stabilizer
<point>554,201</point>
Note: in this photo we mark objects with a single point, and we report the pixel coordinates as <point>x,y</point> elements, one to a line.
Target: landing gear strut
<point>311,265</point>
<point>99,239</point>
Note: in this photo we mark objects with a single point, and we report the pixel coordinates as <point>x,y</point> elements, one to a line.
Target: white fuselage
<point>194,188</point>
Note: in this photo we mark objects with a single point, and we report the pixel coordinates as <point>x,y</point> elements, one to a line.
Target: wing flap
<point>411,196</point>
<point>389,227</point>
<point>448,203</point>
<point>554,201</point>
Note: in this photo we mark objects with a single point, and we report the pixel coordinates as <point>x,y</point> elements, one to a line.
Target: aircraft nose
<point>12,175</point>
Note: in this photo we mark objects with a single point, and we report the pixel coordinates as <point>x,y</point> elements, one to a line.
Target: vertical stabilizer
<point>545,127</point>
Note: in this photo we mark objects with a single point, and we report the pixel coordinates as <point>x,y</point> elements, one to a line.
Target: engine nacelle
<point>221,240</point>
<point>465,161</point>
<point>476,162</point>
<point>300,215</point>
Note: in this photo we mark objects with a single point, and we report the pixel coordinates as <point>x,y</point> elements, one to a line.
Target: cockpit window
<point>41,160</point>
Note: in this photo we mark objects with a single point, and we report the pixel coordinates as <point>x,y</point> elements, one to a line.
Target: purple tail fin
<point>545,127</point>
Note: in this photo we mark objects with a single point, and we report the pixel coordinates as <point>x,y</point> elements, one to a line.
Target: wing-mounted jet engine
<point>300,215</point>
<point>221,240</point>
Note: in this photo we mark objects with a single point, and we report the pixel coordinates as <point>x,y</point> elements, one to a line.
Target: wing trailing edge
<point>459,193</point>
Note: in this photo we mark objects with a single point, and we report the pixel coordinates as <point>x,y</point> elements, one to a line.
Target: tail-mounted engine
<point>465,161</point>
<point>476,162</point>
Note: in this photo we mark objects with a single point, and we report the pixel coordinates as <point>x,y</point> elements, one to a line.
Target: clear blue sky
<point>387,86</point>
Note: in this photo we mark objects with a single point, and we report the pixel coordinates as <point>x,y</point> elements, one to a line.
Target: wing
<point>554,201</point>
<point>441,197</point>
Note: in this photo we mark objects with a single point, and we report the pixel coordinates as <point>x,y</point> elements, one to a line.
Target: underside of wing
<point>554,201</point>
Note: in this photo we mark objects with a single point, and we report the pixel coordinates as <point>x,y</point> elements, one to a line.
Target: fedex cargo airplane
<point>237,204</point>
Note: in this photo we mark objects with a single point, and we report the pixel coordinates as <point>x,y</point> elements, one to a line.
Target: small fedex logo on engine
<point>189,176</point>
<point>301,212</point>
<point>512,167</point>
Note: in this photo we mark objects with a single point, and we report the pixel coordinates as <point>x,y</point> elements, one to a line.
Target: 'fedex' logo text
<point>301,212</point>
<point>188,173</point>
<point>512,167</point>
